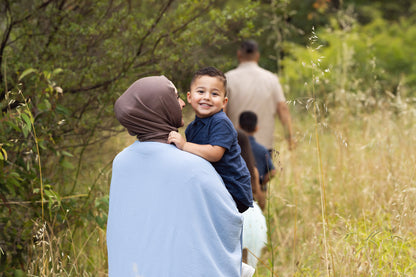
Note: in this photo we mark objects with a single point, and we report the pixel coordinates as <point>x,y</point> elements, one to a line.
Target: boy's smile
<point>207,96</point>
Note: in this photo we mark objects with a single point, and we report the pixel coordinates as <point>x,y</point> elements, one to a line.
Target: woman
<point>170,213</point>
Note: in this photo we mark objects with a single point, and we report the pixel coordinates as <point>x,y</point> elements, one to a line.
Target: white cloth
<point>247,270</point>
<point>254,233</point>
<point>252,88</point>
<point>170,215</point>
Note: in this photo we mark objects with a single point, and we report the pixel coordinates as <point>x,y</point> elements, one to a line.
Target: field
<point>342,204</point>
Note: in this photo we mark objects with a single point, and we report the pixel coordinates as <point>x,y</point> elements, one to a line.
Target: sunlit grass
<point>369,164</point>
<point>369,167</point>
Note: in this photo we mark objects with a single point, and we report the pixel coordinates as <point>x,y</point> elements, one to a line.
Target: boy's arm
<point>258,194</point>
<point>212,153</point>
<point>269,175</point>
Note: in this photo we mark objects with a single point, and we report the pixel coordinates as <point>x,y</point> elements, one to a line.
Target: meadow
<point>344,201</point>
<point>342,204</point>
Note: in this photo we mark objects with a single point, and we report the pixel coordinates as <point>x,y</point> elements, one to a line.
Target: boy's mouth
<point>205,105</point>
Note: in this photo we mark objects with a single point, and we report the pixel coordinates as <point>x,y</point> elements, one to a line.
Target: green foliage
<point>25,135</point>
<point>369,61</point>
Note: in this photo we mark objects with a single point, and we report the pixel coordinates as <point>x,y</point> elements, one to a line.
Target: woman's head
<point>150,109</point>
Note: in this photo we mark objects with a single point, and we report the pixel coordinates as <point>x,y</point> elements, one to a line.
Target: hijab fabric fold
<point>149,109</point>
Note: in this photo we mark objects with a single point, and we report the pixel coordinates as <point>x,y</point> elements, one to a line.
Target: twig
<point>42,201</point>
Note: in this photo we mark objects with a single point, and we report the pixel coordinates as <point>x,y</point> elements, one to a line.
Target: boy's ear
<point>188,96</point>
<point>225,100</point>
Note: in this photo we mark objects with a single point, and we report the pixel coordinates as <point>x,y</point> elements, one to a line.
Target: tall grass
<point>368,164</point>
<point>79,248</point>
<point>343,203</point>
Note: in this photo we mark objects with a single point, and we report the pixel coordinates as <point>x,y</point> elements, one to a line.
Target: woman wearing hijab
<point>170,213</point>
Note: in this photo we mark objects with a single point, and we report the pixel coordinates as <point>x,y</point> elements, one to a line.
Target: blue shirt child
<point>218,130</point>
<point>262,156</point>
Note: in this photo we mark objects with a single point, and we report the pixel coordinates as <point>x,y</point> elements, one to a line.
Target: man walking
<point>252,88</point>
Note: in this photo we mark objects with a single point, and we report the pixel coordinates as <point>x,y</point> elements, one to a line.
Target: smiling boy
<point>212,135</point>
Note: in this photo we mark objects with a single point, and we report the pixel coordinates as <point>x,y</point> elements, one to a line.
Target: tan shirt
<point>252,88</point>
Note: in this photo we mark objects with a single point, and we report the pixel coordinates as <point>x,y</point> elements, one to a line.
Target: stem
<point>37,150</point>
<point>40,172</point>
<point>321,180</point>
<point>269,233</point>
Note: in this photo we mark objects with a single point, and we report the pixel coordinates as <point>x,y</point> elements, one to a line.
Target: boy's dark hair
<point>212,72</point>
<point>248,121</point>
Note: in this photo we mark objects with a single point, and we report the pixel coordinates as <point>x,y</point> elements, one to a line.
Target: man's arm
<point>285,119</point>
<point>211,153</point>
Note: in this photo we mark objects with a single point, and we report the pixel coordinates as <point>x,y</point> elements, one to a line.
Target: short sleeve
<point>222,133</point>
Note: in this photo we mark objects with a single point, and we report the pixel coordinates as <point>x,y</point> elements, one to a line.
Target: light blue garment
<point>170,215</point>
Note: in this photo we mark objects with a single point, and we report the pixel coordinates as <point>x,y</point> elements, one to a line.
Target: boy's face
<point>207,96</point>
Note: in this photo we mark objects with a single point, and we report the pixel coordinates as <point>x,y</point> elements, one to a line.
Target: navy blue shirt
<point>264,162</point>
<point>218,130</point>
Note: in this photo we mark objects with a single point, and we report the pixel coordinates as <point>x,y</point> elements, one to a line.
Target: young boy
<point>212,135</point>
<point>264,163</point>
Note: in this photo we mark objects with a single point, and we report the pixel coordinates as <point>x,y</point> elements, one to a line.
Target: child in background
<point>212,136</point>
<point>264,163</point>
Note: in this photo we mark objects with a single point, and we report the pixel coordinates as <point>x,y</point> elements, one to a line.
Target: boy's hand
<point>177,139</point>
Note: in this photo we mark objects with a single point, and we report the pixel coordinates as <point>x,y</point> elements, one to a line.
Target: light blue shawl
<point>170,215</point>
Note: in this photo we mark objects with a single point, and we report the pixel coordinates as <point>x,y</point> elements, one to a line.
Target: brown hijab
<point>149,109</point>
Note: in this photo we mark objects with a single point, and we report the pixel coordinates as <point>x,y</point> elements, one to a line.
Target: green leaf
<point>27,72</point>
<point>62,110</point>
<point>26,130</point>
<point>13,125</point>
<point>26,119</point>
<point>3,155</point>
<point>67,154</point>
<point>57,71</point>
<point>47,104</point>
<point>65,164</point>
<point>19,273</point>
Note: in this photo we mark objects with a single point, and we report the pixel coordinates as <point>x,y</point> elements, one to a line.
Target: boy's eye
<point>215,94</point>
<point>200,91</point>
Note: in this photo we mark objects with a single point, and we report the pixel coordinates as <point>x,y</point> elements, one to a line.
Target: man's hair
<point>212,72</point>
<point>249,48</point>
<point>248,121</point>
